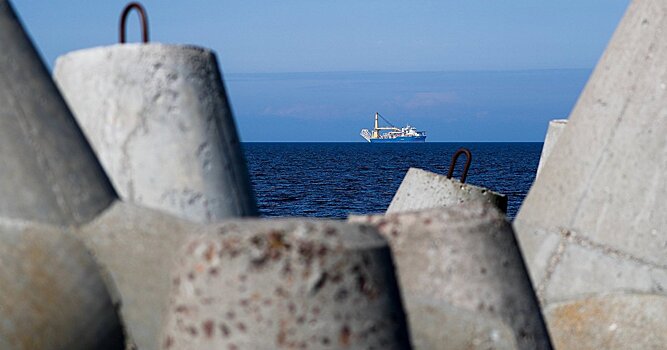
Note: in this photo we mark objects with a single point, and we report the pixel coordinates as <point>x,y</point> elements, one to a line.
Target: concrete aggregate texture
<point>284,284</point>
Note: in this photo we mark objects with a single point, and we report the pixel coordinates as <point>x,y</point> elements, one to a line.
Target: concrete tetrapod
<point>593,228</point>
<point>285,284</point>
<point>556,128</point>
<point>423,189</point>
<point>136,247</point>
<point>159,120</point>
<point>461,268</point>
<point>48,172</point>
<point>51,295</point>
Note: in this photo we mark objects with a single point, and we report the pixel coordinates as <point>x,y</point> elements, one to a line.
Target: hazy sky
<point>385,36</point>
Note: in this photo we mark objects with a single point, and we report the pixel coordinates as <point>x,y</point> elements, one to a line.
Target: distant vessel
<point>406,134</point>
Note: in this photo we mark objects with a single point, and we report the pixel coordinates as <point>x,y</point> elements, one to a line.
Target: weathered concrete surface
<point>439,325</point>
<point>554,131</point>
<point>137,247</point>
<point>594,222</point>
<point>159,120</point>
<point>286,284</point>
<point>423,189</point>
<point>610,322</point>
<point>51,295</point>
<point>48,172</point>
<point>466,257</point>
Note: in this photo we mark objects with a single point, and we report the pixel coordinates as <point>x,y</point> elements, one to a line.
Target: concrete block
<point>285,284</point>
<point>160,122</point>
<point>602,190</point>
<point>51,295</point>
<point>556,127</point>
<point>439,325</point>
<point>136,247</point>
<point>48,172</point>
<point>422,189</point>
<point>466,257</point>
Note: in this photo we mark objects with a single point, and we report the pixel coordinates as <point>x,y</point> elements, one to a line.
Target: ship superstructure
<point>392,134</point>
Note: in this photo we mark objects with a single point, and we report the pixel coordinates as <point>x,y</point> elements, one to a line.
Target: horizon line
<point>409,71</point>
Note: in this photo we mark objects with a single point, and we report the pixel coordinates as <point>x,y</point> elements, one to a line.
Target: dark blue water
<point>336,179</point>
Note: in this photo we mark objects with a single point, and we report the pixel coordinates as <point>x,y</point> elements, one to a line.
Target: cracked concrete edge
<point>556,245</point>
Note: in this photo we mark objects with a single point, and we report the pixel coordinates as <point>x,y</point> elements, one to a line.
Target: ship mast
<point>376,127</point>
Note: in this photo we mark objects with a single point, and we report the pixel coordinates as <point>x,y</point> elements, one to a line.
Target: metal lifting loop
<point>142,17</point>
<point>467,166</point>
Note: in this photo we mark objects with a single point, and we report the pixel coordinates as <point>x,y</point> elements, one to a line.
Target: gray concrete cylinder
<point>159,120</point>
<point>467,258</point>
<point>51,296</point>
<point>423,189</point>
<point>286,284</point>
<point>556,127</point>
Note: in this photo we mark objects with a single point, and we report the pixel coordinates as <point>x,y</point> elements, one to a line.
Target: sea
<point>334,180</point>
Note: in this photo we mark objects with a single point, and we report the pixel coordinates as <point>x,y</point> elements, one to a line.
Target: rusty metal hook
<point>467,166</point>
<point>142,17</point>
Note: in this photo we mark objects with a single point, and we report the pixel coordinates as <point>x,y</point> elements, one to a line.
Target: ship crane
<point>377,128</point>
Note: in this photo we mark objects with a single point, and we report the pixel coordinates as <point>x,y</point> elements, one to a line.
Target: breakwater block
<point>463,264</point>
<point>48,173</point>
<point>436,325</point>
<point>556,128</point>
<point>136,247</point>
<point>51,294</point>
<point>423,189</point>
<point>593,226</point>
<point>159,120</point>
<point>285,284</point>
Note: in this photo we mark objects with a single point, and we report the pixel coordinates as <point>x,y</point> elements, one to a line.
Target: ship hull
<point>400,139</point>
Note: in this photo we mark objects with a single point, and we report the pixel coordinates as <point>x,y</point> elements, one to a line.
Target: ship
<point>392,134</point>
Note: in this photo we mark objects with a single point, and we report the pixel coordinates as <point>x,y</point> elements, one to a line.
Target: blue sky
<point>513,64</point>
